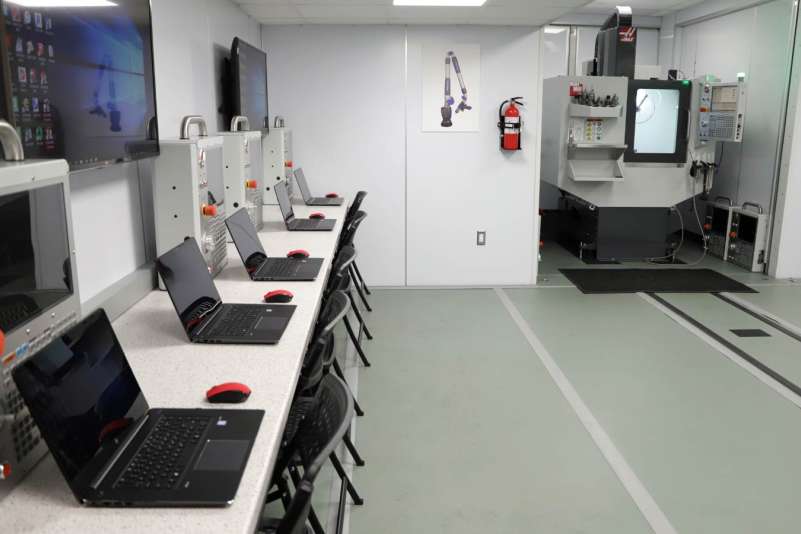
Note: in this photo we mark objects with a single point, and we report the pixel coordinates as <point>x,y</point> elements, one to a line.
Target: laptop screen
<point>245,238</point>
<point>300,178</point>
<point>283,200</point>
<point>188,282</point>
<point>83,396</point>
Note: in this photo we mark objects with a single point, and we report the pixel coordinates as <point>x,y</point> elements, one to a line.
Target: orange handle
<point>209,210</point>
<point>251,184</point>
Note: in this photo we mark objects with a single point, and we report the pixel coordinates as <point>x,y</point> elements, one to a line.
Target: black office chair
<point>318,436</point>
<point>347,238</point>
<point>354,207</point>
<point>341,280</point>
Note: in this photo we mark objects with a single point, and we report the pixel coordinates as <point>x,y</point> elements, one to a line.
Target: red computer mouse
<point>279,296</point>
<point>332,195</point>
<point>230,392</point>
<point>297,254</point>
<point>317,215</point>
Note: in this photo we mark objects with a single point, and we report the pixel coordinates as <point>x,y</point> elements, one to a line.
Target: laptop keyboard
<point>280,268</point>
<point>307,223</point>
<point>162,458</point>
<point>237,322</point>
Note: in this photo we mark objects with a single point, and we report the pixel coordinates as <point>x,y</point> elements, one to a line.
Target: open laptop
<point>258,265</point>
<point>111,448</point>
<point>201,311</point>
<point>300,178</point>
<point>292,223</point>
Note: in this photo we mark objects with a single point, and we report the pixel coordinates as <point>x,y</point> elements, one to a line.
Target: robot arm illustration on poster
<point>446,110</point>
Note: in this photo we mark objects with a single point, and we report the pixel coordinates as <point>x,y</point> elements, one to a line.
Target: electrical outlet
<point>481,238</point>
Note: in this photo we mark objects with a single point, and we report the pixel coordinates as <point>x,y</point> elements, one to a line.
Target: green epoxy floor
<point>467,433</point>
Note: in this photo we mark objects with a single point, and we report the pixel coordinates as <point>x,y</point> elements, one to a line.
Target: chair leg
<point>356,343</point>
<point>361,278</point>
<point>283,487</point>
<point>314,521</point>
<point>359,316</point>
<point>341,376</point>
<point>357,500</point>
<point>361,294</point>
<point>357,459</point>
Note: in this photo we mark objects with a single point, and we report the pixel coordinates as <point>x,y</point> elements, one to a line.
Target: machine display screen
<point>747,230</point>
<point>79,83</point>
<point>657,121</point>
<point>35,268</point>
<point>720,221</point>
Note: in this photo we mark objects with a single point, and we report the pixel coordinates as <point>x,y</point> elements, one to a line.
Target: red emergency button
<point>5,471</point>
<point>733,235</point>
<point>707,227</point>
<point>251,184</point>
<point>209,210</point>
<point>288,163</point>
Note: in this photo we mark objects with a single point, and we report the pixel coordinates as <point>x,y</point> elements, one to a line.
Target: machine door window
<point>656,121</point>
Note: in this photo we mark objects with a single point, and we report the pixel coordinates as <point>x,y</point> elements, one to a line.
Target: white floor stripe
<point>761,311</point>
<point>725,351</point>
<point>642,498</point>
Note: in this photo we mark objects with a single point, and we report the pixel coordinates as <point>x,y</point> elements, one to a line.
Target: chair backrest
<point>319,435</point>
<point>322,430</point>
<point>354,207</point>
<point>318,355</point>
<point>346,255</point>
<point>349,233</point>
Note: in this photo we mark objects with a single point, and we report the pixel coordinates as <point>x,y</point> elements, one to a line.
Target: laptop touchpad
<point>222,455</point>
<point>270,323</point>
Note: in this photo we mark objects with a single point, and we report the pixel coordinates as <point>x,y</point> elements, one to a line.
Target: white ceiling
<point>642,8</point>
<point>504,12</point>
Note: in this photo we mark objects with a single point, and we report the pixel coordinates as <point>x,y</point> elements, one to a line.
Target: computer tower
<point>189,197</point>
<point>748,237</point>
<point>39,298</point>
<point>277,162</point>
<point>717,227</point>
<point>244,174</point>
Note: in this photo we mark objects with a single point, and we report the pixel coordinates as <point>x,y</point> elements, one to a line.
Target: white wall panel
<point>341,90</point>
<point>459,183</point>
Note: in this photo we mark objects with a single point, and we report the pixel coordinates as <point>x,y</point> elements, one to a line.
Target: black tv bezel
<point>682,128</point>
<point>236,91</point>
<point>9,114</point>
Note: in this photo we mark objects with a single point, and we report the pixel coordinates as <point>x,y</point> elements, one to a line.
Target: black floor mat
<point>653,281</point>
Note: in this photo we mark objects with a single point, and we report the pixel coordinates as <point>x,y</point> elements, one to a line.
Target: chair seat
<point>269,525</point>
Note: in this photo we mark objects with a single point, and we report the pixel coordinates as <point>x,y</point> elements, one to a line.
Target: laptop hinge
<point>106,468</point>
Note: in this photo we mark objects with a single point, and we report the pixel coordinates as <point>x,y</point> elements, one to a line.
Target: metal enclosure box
<point>189,197</point>
<point>244,176</point>
<point>747,238</point>
<point>21,445</point>
<point>718,226</point>
<point>277,162</point>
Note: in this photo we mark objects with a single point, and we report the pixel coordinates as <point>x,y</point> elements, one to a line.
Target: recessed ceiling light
<point>554,29</point>
<point>440,3</point>
<point>62,3</point>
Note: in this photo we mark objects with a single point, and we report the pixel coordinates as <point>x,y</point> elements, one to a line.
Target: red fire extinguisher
<point>510,123</point>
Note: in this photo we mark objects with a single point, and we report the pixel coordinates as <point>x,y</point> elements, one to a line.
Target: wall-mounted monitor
<point>657,121</point>
<point>77,82</point>
<point>249,77</point>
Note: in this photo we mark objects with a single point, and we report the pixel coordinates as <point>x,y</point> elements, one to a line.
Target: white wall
<point>355,119</point>
<point>341,90</point>
<point>459,183</point>
<point>111,209</point>
<point>754,41</point>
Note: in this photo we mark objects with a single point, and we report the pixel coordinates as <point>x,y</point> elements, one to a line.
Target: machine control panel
<point>721,112</point>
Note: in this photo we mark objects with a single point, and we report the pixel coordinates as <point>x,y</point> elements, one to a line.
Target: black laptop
<point>204,316</point>
<point>258,265</point>
<point>292,223</point>
<point>305,192</point>
<point>114,450</point>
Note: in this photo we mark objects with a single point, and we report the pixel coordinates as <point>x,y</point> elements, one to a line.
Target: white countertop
<point>175,373</point>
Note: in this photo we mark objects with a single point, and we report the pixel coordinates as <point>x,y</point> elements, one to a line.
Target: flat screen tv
<point>77,82</point>
<point>249,76</point>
